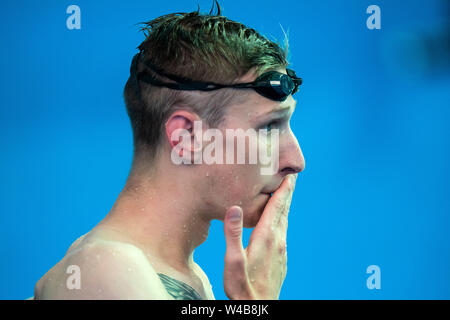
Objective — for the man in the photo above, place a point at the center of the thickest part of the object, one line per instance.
(193, 69)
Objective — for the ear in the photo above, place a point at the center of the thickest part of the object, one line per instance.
(184, 132)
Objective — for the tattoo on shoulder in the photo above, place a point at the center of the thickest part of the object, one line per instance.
(179, 290)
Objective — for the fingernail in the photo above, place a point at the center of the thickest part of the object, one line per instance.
(235, 215)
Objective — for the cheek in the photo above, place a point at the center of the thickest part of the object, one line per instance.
(238, 181)
(238, 184)
(234, 184)
(245, 192)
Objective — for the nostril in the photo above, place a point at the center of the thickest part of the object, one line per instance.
(290, 170)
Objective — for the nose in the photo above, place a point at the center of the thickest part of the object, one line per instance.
(291, 156)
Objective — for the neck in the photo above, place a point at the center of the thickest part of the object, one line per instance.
(161, 216)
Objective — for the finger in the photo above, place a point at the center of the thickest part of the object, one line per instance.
(277, 207)
(233, 231)
(234, 269)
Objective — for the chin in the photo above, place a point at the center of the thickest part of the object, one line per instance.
(252, 219)
(252, 215)
(251, 223)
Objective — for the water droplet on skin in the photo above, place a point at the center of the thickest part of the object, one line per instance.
(207, 174)
(98, 257)
(129, 269)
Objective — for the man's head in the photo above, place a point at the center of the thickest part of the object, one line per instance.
(209, 48)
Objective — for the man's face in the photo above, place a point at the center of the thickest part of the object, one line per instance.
(244, 184)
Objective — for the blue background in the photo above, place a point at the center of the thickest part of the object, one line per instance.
(372, 120)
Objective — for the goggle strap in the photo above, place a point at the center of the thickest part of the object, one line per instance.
(188, 84)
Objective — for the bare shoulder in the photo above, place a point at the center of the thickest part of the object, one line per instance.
(206, 284)
(102, 269)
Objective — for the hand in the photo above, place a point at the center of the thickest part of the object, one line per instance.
(258, 272)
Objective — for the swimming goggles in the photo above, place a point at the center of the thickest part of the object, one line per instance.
(273, 85)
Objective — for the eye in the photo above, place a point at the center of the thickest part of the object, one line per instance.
(270, 125)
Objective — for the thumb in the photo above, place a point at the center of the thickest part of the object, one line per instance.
(233, 230)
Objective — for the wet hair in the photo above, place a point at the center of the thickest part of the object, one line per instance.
(202, 47)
